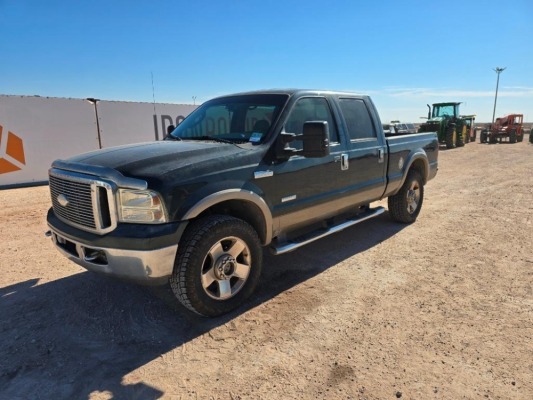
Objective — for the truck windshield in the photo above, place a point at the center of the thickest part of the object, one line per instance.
(444, 110)
(235, 119)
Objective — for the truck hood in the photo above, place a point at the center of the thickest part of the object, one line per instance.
(155, 159)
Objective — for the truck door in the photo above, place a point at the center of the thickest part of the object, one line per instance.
(366, 150)
(301, 189)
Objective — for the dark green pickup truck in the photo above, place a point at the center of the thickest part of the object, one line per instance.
(276, 169)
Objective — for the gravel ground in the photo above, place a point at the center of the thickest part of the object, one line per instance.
(441, 309)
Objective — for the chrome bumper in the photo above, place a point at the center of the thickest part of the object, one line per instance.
(151, 267)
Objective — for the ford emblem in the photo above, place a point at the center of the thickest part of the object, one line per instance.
(63, 200)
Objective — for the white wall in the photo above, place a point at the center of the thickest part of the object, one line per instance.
(123, 123)
(49, 128)
(43, 129)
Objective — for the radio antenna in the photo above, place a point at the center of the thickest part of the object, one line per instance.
(155, 112)
(153, 90)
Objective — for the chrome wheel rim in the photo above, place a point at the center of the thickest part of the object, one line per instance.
(226, 268)
(413, 197)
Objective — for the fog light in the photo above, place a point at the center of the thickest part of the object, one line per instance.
(95, 256)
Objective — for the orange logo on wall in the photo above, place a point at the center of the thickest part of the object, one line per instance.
(14, 152)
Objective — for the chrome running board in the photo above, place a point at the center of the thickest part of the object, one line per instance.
(286, 247)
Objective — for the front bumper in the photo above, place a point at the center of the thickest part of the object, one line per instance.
(143, 254)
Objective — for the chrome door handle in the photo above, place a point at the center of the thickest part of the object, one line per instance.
(381, 154)
(344, 162)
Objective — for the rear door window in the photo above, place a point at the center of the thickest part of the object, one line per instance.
(357, 118)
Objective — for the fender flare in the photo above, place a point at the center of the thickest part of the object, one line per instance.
(418, 154)
(234, 194)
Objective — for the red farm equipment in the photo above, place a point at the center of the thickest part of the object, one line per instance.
(508, 127)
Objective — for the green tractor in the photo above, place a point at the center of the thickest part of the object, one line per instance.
(470, 131)
(445, 120)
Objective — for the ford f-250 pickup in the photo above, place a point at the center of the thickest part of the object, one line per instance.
(276, 169)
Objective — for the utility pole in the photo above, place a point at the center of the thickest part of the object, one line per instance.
(498, 70)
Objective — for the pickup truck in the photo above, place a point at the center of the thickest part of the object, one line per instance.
(273, 169)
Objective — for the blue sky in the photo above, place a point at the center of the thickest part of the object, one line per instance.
(405, 54)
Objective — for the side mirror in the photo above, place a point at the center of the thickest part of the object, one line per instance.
(315, 140)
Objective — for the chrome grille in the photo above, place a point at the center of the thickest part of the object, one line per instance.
(80, 206)
(83, 201)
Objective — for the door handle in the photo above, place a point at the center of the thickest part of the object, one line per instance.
(381, 154)
(344, 162)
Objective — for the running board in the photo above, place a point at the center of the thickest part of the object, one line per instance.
(299, 242)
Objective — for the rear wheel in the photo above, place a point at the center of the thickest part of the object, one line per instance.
(405, 205)
(459, 142)
(450, 131)
(217, 266)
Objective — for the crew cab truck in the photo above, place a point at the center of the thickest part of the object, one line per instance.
(272, 169)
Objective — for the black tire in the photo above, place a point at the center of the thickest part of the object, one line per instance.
(483, 137)
(206, 277)
(531, 137)
(459, 142)
(405, 205)
(520, 138)
(449, 137)
(512, 136)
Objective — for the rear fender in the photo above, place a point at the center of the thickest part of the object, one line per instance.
(416, 160)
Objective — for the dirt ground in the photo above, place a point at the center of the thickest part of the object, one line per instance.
(441, 309)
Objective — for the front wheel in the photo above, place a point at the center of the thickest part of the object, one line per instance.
(405, 205)
(512, 136)
(217, 266)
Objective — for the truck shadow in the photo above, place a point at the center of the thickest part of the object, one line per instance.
(83, 334)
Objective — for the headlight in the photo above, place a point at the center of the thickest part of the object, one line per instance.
(140, 206)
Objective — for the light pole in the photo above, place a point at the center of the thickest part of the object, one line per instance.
(498, 70)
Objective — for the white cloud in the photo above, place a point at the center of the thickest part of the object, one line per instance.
(455, 93)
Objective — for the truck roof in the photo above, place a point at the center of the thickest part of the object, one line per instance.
(292, 92)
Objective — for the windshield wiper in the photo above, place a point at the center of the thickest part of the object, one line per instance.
(213, 138)
(171, 137)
